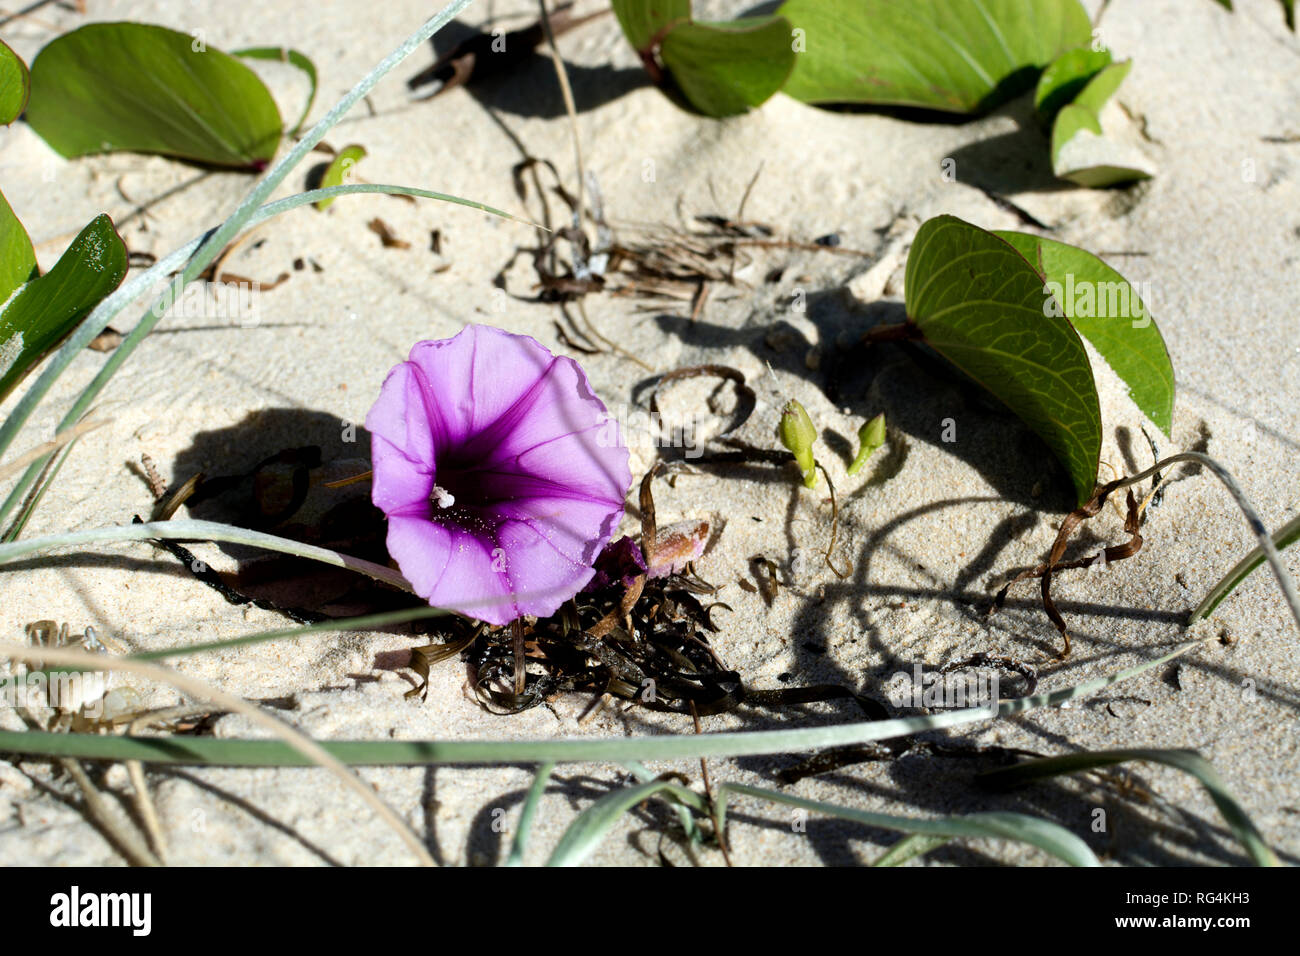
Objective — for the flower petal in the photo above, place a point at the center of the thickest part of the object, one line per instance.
(452, 569)
(478, 375)
(542, 576)
(398, 485)
(576, 529)
(574, 464)
(402, 416)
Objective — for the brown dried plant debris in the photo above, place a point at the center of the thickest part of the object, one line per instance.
(1053, 565)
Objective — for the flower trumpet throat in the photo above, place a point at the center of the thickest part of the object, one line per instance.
(797, 433)
(493, 465)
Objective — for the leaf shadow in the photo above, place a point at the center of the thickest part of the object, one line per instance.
(924, 398)
(528, 88)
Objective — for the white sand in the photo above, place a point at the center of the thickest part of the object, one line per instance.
(929, 545)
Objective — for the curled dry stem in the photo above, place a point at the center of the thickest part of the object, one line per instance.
(835, 527)
(1132, 522)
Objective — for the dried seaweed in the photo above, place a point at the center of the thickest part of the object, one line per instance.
(841, 757)
(646, 642)
(426, 656)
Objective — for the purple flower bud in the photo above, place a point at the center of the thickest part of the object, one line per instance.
(621, 561)
(494, 464)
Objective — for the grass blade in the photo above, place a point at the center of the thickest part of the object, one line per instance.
(1049, 837)
(535, 792)
(213, 243)
(910, 847)
(104, 313)
(586, 832)
(290, 737)
(272, 753)
(1283, 537)
(189, 530)
(1188, 761)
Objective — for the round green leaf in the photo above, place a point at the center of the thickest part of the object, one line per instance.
(17, 258)
(643, 21)
(981, 305)
(147, 89)
(1065, 78)
(959, 57)
(1070, 121)
(15, 83)
(1103, 86)
(48, 308)
(295, 58)
(728, 68)
(1080, 153)
(1109, 312)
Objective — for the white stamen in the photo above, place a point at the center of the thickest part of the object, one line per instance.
(444, 497)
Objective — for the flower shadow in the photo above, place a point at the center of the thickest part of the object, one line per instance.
(271, 471)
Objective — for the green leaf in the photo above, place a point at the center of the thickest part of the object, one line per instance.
(1108, 311)
(1188, 761)
(721, 68)
(870, 437)
(1103, 85)
(15, 84)
(643, 21)
(17, 258)
(147, 89)
(1080, 153)
(49, 307)
(1070, 121)
(958, 57)
(1065, 78)
(981, 305)
(339, 166)
(729, 68)
(280, 54)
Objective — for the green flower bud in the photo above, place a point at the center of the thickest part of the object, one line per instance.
(871, 436)
(798, 433)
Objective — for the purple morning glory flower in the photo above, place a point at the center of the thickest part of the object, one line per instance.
(501, 474)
